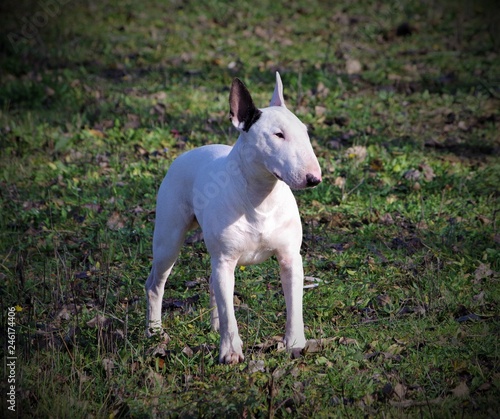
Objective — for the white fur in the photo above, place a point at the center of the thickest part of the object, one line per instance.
(246, 213)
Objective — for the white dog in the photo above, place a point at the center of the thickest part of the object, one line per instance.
(241, 198)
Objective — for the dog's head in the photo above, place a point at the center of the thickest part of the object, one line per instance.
(276, 138)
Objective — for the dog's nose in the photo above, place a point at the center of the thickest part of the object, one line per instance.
(312, 180)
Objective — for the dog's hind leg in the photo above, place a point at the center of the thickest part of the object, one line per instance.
(172, 224)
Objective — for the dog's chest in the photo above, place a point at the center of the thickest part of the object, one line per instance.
(248, 228)
(259, 239)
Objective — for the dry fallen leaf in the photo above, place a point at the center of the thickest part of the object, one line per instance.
(462, 390)
(98, 320)
(321, 90)
(383, 299)
(314, 282)
(427, 171)
(484, 387)
(377, 165)
(484, 220)
(400, 390)
(320, 110)
(317, 345)
(108, 365)
(95, 133)
(63, 314)
(348, 341)
(154, 379)
(312, 346)
(256, 366)
(412, 403)
(195, 282)
(187, 351)
(279, 372)
(386, 219)
(116, 221)
(482, 271)
(412, 174)
(133, 121)
(357, 152)
(353, 66)
(479, 297)
(275, 341)
(339, 182)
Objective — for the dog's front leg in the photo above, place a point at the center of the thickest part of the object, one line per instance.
(214, 313)
(222, 287)
(292, 281)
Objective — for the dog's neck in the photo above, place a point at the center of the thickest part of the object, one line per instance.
(254, 182)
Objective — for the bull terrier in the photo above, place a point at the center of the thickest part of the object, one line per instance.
(241, 198)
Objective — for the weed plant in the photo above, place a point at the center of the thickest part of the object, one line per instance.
(401, 240)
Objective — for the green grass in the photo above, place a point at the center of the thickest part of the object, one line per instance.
(98, 101)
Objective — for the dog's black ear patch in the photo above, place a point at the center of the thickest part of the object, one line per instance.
(243, 112)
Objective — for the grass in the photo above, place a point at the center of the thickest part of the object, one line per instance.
(98, 98)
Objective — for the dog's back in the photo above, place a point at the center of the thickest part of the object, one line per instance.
(177, 187)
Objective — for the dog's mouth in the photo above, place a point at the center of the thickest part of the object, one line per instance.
(278, 176)
(291, 185)
(310, 181)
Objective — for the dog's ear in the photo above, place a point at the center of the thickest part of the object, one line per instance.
(243, 112)
(277, 99)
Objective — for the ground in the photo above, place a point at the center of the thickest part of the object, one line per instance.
(401, 241)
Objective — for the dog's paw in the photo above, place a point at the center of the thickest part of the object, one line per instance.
(296, 353)
(232, 358)
(158, 333)
(295, 345)
(231, 352)
(214, 322)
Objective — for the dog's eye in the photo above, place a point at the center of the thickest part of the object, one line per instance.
(280, 135)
